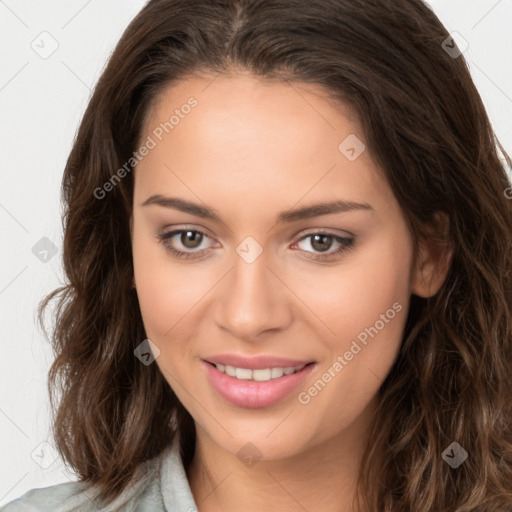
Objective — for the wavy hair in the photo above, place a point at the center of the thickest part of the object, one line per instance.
(426, 127)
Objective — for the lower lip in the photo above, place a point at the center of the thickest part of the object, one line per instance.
(251, 393)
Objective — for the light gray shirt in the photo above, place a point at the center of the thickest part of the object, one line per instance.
(158, 485)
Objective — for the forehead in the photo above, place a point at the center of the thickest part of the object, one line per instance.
(288, 108)
(273, 142)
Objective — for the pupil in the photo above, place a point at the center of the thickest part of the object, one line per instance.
(322, 246)
(187, 235)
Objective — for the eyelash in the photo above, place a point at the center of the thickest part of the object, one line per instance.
(346, 244)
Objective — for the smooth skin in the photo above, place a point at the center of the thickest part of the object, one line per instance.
(250, 150)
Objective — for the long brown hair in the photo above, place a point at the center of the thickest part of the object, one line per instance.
(426, 127)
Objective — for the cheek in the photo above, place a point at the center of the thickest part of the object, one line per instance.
(353, 296)
(165, 293)
(366, 306)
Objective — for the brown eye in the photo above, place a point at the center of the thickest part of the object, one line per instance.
(321, 242)
(183, 243)
(191, 239)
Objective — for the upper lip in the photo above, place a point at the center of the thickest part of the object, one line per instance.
(255, 363)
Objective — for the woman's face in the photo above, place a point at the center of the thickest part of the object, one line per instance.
(237, 169)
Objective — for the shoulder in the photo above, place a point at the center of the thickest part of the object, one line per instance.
(159, 485)
(44, 498)
(142, 494)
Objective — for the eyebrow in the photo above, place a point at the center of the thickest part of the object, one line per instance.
(305, 212)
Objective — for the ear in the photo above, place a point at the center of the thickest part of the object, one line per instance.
(433, 259)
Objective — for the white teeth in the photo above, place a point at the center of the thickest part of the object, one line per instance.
(277, 372)
(261, 375)
(243, 373)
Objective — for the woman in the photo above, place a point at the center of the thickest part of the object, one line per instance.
(288, 244)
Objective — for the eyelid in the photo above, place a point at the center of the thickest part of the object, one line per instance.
(186, 227)
(327, 231)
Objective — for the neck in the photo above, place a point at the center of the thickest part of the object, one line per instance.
(322, 478)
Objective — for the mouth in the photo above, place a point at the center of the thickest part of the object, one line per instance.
(260, 374)
(256, 387)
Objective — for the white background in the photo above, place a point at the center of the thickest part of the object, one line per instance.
(42, 101)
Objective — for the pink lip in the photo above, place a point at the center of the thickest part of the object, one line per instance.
(255, 394)
(254, 363)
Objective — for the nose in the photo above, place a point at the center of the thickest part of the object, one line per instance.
(253, 300)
